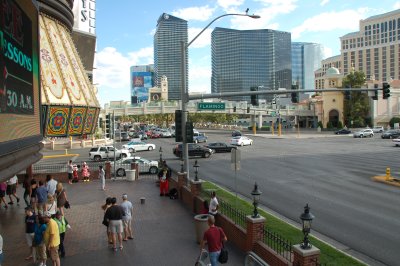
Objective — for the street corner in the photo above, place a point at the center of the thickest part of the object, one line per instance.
(387, 180)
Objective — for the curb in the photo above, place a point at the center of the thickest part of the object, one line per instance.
(60, 155)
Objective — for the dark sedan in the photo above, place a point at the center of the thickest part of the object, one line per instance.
(391, 134)
(343, 131)
(220, 147)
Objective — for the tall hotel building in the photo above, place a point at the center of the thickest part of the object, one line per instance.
(306, 58)
(246, 58)
(170, 32)
(375, 49)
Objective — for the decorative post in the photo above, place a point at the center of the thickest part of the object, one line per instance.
(255, 222)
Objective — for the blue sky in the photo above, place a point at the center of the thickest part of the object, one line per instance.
(125, 30)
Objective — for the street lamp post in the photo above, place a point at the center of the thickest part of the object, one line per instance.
(196, 170)
(184, 91)
(256, 198)
(306, 219)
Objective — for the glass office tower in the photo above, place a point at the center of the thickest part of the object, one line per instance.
(170, 32)
(249, 58)
(306, 58)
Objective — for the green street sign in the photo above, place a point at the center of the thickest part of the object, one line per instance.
(211, 106)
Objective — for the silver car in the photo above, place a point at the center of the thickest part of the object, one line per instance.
(145, 165)
(363, 133)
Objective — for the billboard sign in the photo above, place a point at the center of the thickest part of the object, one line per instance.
(141, 82)
(19, 79)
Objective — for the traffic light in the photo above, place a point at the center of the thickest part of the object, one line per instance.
(386, 90)
(108, 125)
(234, 109)
(347, 94)
(254, 98)
(189, 132)
(248, 109)
(178, 125)
(375, 97)
(295, 95)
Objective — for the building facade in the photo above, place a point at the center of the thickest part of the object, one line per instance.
(170, 33)
(331, 62)
(306, 58)
(249, 58)
(375, 48)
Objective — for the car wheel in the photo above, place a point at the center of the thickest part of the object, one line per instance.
(153, 170)
(207, 155)
(131, 150)
(150, 148)
(97, 158)
(123, 155)
(121, 172)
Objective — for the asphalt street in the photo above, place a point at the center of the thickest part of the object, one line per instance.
(333, 175)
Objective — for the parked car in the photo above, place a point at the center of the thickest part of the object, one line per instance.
(145, 165)
(343, 131)
(165, 133)
(236, 133)
(199, 137)
(107, 152)
(396, 141)
(134, 146)
(377, 129)
(241, 141)
(194, 150)
(391, 134)
(220, 147)
(363, 133)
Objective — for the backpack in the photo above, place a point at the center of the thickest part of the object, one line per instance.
(173, 193)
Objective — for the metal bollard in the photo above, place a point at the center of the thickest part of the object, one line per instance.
(66, 151)
(387, 173)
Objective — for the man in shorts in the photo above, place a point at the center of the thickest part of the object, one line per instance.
(52, 238)
(114, 216)
(12, 184)
(127, 208)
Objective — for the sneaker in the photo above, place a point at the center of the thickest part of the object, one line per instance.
(11, 203)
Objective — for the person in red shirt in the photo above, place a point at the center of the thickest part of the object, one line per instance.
(213, 237)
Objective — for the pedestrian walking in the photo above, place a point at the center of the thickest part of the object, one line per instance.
(102, 177)
(52, 238)
(39, 244)
(85, 172)
(61, 197)
(1, 250)
(41, 195)
(70, 171)
(105, 221)
(62, 228)
(27, 187)
(32, 195)
(51, 185)
(30, 223)
(127, 209)
(51, 205)
(3, 188)
(213, 238)
(114, 217)
(213, 207)
(11, 190)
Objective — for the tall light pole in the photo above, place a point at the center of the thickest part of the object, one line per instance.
(184, 91)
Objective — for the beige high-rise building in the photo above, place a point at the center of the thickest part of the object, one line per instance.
(375, 49)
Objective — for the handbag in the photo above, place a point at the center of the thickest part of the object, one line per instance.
(223, 256)
(67, 205)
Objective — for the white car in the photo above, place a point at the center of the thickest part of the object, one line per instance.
(241, 141)
(145, 165)
(134, 146)
(396, 142)
(363, 133)
(165, 133)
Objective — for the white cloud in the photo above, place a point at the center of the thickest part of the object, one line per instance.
(396, 5)
(226, 4)
(344, 20)
(324, 2)
(202, 13)
(112, 71)
(271, 9)
(203, 40)
(327, 52)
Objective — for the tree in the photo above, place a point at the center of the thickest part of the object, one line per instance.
(357, 108)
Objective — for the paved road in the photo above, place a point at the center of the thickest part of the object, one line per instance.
(333, 175)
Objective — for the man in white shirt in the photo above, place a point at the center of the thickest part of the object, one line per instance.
(51, 185)
(12, 184)
(213, 207)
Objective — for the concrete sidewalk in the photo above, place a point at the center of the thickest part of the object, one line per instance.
(164, 231)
